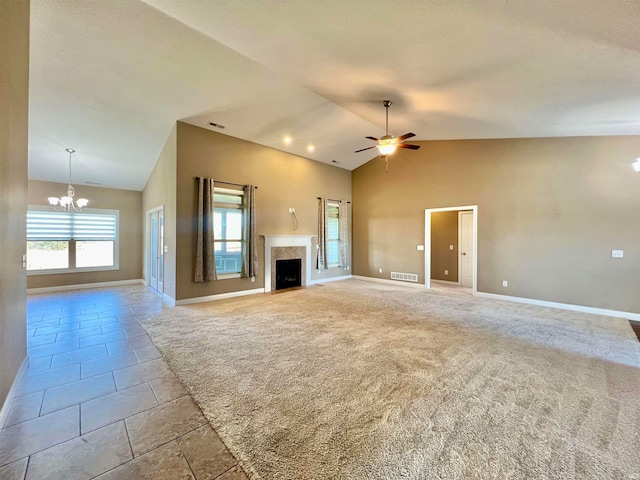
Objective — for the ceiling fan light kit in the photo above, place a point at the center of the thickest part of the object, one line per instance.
(388, 143)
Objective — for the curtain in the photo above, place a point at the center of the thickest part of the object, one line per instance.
(205, 270)
(343, 212)
(249, 249)
(322, 234)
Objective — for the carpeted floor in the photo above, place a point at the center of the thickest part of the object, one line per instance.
(360, 380)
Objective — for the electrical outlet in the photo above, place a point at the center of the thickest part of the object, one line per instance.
(446, 272)
(380, 270)
(450, 247)
(292, 210)
(617, 253)
(505, 283)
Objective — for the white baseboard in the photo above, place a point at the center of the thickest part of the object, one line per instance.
(220, 296)
(330, 279)
(4, 411)
(82, 286)
(389, 281)
(563, 306)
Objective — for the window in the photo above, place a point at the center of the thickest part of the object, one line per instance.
(333, 234)
(61, 242)
(227, 230)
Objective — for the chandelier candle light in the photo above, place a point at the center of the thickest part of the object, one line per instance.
(67, 203)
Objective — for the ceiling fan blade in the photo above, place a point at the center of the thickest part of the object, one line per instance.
(410, 147)
(405, 136)
(363, 149)
(372, 138)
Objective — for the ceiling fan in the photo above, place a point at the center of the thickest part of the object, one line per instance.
(388, 144)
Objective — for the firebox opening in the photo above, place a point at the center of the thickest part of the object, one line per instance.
(288, 273)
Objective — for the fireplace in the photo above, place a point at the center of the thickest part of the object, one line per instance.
(286, 247)
(288, 273)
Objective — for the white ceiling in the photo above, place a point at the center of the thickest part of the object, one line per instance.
(110, 77)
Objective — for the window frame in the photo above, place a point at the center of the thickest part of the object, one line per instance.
(218, 206)
(72, 244)
(337, 240)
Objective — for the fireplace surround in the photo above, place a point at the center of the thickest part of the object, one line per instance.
(286, 247)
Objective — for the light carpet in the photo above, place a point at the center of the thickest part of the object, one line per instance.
(360, 380)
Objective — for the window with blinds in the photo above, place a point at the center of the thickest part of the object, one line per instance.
(227, 230)
(333, 235)
(68, 241)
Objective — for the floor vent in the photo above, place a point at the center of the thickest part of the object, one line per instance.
(407, 277)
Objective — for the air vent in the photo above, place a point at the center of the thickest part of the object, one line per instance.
(405, 277)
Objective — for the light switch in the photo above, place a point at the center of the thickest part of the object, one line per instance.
(617, 253)
(166, 249)
(420, 247)
(450, 247)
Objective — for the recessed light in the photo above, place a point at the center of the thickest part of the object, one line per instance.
(311, 148)
(335, 161)
(287, 140)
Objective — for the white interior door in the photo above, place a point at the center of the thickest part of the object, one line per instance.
(465, 248)
(155, 247)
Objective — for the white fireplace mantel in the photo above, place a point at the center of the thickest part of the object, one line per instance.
(271, 241)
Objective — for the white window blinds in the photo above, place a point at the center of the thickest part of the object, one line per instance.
(51, 225)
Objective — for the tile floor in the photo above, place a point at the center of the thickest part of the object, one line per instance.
(98, 401)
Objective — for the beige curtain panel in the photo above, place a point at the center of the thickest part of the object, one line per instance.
(249, 249)
(205, 270)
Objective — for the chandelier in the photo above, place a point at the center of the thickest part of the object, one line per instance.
(67, 203)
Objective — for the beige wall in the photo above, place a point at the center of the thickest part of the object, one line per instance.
(444, 232)
(160, 190)
(283, 181)
(550, 210)
(128, 202)
(14, 122)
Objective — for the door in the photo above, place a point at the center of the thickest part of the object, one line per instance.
(465, 248)
(155, 256)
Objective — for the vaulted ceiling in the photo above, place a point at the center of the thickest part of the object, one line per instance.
(111, 77)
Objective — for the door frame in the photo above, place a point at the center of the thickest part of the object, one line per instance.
(147, 247)
(460, 212)
(427, 242)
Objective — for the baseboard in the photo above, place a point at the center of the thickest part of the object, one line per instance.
(563, 306)
(82, 286)
(168, 300)
(446, 282)
(220, 296)
(389, 281)
(4, 411)
(330, 279)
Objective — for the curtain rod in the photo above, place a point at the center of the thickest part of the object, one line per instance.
(227, 183)
(320, 198)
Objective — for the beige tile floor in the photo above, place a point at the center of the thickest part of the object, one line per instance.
(98, 401)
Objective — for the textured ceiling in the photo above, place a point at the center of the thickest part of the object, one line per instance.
(110, 77)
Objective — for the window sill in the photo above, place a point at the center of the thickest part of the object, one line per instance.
(63, 271)
(227, 276)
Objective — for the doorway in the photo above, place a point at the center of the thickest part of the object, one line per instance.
(467, 245)
(155, 249)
